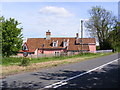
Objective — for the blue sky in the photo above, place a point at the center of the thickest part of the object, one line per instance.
(61, 18)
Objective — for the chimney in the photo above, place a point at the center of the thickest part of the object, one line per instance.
(77, 35)
(48, 34)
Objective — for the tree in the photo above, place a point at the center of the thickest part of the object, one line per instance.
(1, 37)
(101, 22)
(114, 37)
(11, 37)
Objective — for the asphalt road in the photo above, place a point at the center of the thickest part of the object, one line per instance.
(106, 77)
(49, 76)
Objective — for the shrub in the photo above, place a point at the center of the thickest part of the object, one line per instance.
(25, 61)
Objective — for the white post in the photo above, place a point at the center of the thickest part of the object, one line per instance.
(119, 11)
(81, 35)
(82, 25)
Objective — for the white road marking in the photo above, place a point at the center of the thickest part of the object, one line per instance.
(60, 85)
(63, 82)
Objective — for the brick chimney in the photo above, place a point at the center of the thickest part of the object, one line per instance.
(48, 34)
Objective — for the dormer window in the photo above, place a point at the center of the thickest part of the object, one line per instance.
(55, 44)
(65, 44)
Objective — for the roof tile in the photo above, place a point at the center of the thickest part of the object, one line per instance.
(34, 43)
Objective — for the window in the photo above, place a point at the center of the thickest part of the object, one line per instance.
(65, 44)
(43, 45)
(54, 44)
(57, 53)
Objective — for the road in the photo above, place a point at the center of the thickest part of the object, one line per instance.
(106, 77)
(75, 74)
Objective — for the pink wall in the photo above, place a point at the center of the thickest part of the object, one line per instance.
(45, 52)
(20, 54)
(51, 51)
(92, 48)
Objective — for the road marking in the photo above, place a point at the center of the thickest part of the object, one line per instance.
(63, 82)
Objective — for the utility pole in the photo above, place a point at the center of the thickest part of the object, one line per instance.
(37, 46)
(81, 41)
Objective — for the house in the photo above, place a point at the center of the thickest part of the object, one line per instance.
(58, 45)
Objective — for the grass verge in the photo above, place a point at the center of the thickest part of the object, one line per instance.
(12, 65)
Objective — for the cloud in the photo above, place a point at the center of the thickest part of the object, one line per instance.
(65, 27)
(56, 11)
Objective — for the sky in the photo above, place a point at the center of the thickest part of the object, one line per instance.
(61, 18)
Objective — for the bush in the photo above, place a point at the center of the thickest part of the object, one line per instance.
(97, 47)
(25, 61)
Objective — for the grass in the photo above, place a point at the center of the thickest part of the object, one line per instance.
(12, 65)
(7, 61)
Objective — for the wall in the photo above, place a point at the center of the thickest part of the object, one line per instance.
(20, 54)
(92, 48)
(49, 53)
(38, 53)
(52, 51)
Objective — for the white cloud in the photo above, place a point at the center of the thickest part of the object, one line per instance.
(56, 11)
(65, 27)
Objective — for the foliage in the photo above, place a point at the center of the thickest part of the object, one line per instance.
(100, 24)
(11, 37)
(0, 40)
(97, 47)
(114, 37)
(10, 60)
(1, 36)
(25, 61)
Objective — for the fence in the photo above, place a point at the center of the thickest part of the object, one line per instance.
(47, 55)
(64, 54)
(104, 51)
(51, 55)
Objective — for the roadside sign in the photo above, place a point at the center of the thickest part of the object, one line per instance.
(25, 54)
(25, 47)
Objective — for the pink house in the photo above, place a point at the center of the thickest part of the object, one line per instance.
(59, 45)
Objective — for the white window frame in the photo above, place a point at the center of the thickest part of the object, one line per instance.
(54, 44)
(65, 44)
(57, 53)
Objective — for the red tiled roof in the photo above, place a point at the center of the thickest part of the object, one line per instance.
(34, 43)
(86, 40)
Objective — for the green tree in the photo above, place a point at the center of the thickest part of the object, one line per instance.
(1, 37)
(114, 37)
(11, 37)
(101, 22)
